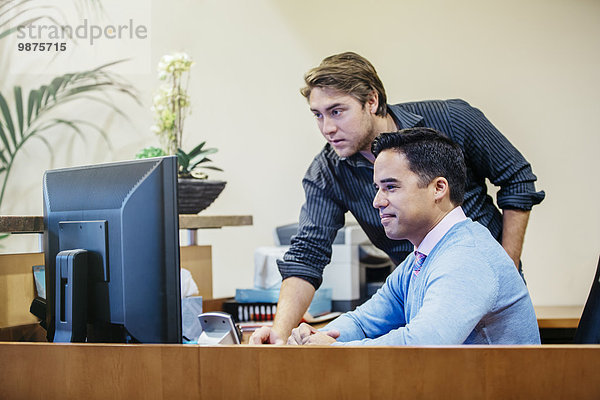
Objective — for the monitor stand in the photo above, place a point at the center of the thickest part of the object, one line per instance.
(71, 296)
(80, 264)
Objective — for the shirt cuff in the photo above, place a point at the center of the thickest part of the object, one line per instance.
(520, 201)
(289, 269)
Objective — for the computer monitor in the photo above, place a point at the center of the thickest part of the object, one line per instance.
(111, 240)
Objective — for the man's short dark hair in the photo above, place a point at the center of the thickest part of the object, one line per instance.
(348, 73)
(430, 154)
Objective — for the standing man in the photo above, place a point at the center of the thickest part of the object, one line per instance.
(350, 106)
(459, 286)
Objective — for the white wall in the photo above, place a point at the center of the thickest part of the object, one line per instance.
(532, 67)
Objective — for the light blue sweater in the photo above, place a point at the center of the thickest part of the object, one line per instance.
(468, 292)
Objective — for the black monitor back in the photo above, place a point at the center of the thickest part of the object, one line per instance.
(134, 277)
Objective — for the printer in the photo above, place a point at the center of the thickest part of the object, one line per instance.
(357, 268)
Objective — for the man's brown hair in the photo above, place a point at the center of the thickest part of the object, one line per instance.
(350, 74)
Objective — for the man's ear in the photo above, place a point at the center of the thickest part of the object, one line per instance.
(441, 188)
(372, 102)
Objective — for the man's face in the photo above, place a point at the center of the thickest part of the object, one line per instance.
(406, 210)
(346, 124)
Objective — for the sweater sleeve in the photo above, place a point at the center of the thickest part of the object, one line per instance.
(383, 312)
(454, 301)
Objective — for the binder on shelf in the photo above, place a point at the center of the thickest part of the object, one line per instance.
(250, 312)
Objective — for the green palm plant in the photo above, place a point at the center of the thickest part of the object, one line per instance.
(35, 116)
(32, 119)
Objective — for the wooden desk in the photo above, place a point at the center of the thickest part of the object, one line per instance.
(30, 370)
(558, 316)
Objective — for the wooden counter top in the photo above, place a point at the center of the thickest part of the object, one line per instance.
(35, 224)
(90, 371)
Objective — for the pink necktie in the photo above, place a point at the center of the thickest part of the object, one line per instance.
(419, 259)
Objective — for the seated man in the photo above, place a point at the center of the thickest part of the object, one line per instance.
(459, 286)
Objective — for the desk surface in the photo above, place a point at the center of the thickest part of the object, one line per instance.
(558, 316)
(35, 224)
(31, 370)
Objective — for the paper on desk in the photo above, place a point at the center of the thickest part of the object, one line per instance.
(39, 276)
(309, 319)
(191, 307)
(188, 285)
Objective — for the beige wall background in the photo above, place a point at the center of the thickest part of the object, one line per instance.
(531, 67)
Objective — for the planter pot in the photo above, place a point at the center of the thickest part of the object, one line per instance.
(197, 194)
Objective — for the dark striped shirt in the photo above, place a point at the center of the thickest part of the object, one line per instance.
(334, 186)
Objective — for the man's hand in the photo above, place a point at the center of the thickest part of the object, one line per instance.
(307, 335)
(266, 335)
(294, 297)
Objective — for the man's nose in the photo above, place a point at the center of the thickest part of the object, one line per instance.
(329, 126)
(379, 201)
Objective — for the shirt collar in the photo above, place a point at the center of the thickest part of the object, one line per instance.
(437, 233)
(403, 118)
(357, 160)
